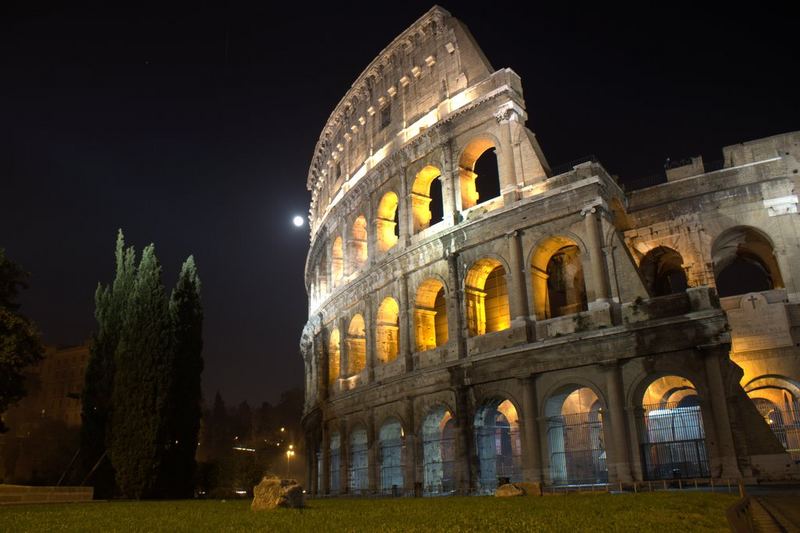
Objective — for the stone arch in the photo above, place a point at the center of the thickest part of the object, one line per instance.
(391, 455)
(337, 261)
(358, 465)
(486, 294)
(438, 450)
(358, 243)
(498, 444)
(744, 261)
(427, 186)
(387, 330)
(356, 345)
(662, 271)
(671, 428)
(386, 223)
(777, 399)
(334, 356)
(576, 434)
(473, 151)
(557, 277)
(430, 315)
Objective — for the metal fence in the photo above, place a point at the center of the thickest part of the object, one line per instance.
(672, 440)
(438, 466)
(391, 461)
(577, 454)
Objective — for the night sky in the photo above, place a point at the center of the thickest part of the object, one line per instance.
(193, 128)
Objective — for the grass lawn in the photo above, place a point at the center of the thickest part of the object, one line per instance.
(661, 512)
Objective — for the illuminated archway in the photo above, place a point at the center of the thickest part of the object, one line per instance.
(427, 186)
(391, 448)
(662, 270)
(333, 357)
(337, 261)
(335, 459)
(744, 261)
(487, 297)
(777, 399)
(438, 452)
(386, 223)
(575, 437)
(430, 315)
(358, 472)
(671, 430)
(356, 346)
(478, 163)
(557, 279)
(358, 243)
(388, 327)
(498, 445)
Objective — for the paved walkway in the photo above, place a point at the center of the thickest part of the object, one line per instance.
(777, 507)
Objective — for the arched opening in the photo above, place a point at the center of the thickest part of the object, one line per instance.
(426, 198)
(438, 452)
(671, 431)
(333, 357)
(334, 452)
(388, 327)
(356, 346)
(662, 270)
(391, 457)
(744, 261)
(575, 437)
(487, 297)
(557, 279)
(320, 465)
(358, 475)
(430, 315)
(498, 446)
(386, 223)
(478, 173)
(777, 400)
(358, 243)
(337, 262)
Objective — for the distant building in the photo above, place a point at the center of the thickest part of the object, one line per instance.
(477, 317)
(46, 422)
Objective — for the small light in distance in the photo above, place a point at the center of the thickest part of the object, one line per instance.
(298, 221)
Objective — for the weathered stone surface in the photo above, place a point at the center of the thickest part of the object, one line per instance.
(508, 490)
(275, 492)
(530, 489)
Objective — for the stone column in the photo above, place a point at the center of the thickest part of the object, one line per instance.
(370, 332)
(325, 451)
(465, 459)
(410, 469)
(532, 453)
(508, 180)
(344, 458)
(373, 470)
(517, 294)
(719, 406)
(455, 311)
(618, 461)
(451, 193)
(343, 348)
(406, 324)
(594, 240)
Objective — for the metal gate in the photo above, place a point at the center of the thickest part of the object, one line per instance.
(391, 461)
(784, 422)
(577, 454)
(673, 442)
(499, 455)
(438, 466)
(359, 462)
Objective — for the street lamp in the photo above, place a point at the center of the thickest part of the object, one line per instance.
(289, 455)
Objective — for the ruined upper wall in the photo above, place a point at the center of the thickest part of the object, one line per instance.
(435, 59)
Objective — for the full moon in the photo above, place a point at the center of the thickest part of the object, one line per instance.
(297, 221)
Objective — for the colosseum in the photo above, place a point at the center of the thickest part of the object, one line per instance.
(476, 318)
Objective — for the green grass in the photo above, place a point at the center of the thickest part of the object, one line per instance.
(659, 512)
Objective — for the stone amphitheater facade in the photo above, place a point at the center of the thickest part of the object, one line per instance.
(564, 331)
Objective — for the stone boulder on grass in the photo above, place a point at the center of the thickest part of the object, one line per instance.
(274, 492)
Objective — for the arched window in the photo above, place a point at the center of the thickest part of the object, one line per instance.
(391, 457)
(575, 437)
(333, 356)
(438, 452)
(557, 278)
(487, 297)
(478, 173)
(498, 445)
(426, 198)
(358, 243)
(386, 223)
(356, 346)
(662, 270)
(672, 434)
(777, 399)
(359, 461)
(744, 261)
(337, 261)
(430, 315)
(387, 330)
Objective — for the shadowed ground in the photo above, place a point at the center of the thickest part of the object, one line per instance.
(666, 511)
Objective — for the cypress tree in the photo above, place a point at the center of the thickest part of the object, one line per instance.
(185, 394)
(142, 378)
(110, 304)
